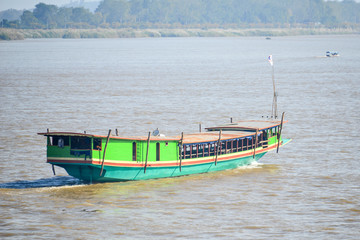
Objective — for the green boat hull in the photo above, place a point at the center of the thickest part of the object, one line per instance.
(91, 172)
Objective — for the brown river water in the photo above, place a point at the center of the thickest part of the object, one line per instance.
(310, 190)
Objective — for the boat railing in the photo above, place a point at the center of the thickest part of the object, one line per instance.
(226, 146)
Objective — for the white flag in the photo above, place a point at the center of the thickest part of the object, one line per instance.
(270, 60)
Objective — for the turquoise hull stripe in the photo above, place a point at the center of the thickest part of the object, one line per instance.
(285, 141)
(91, 173)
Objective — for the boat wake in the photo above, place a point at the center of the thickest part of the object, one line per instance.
(251, 166)
(58, 181)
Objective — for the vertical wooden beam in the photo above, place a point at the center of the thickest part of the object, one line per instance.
(147, 152)
(279, 133)
(107, 141)
(181, 146)
(217, 147)
(256, 140)
(53, 169)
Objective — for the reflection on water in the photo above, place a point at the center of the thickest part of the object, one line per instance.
(42, 183)
(309, 190)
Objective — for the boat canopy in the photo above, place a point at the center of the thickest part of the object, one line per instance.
(241, 129)
(212, 136)
(250, 125)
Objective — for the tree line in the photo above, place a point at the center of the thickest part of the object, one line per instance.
(191, 13)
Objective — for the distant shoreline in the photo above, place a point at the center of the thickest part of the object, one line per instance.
(21, 34)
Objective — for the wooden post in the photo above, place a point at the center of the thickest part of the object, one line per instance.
(147, 152)
(181, 147)
(256, 140)
(53, 169)
(107, 141)
(217, 147)
(279, 133)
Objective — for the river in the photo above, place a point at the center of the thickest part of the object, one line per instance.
(309, 190)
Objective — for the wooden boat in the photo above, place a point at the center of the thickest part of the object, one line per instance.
(101, 158)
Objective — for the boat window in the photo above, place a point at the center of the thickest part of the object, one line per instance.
(212, 149)
(60, 141)
(236, 145)
(222, 147)
(134, 151)
(259, 140)
(157, 151)
(265, 139)
(239, 147)
(229, 146)
(274, 131)
(97, 144)
(181, 150)
(194, 151)
(201, 150)
(206, 150)
(80, 143)
(187, 151)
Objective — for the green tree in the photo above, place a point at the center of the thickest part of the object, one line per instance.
(114, 10)
(81, 14)
(63, 17)
(46, 14)
(28, 20)
(11, 14)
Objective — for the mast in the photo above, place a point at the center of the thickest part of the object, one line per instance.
(274, 112)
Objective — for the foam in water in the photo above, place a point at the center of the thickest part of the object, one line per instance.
(252, 166)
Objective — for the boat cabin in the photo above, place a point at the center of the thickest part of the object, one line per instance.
(230, 138)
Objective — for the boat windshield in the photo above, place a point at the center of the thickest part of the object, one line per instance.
(80, 143)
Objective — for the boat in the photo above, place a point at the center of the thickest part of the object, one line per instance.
(111, 158)
(332, 54)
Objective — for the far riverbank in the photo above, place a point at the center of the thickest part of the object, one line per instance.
(20, 34)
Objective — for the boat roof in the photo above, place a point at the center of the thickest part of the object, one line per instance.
(248, 125)
(240, 129)
(212, 136)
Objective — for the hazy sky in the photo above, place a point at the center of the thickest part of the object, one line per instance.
(30, 4)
